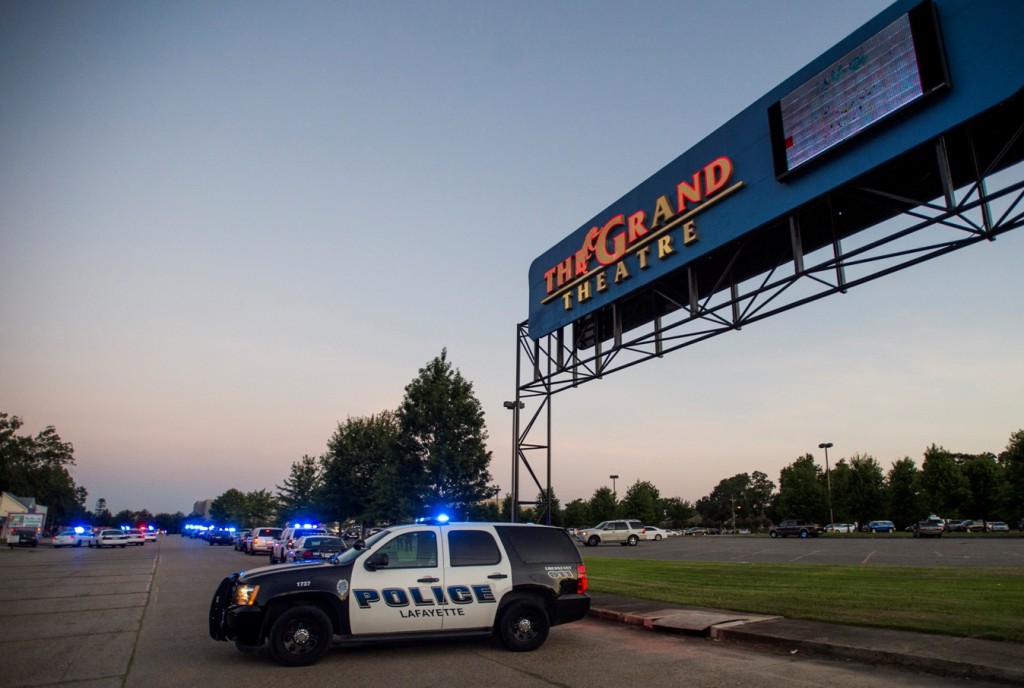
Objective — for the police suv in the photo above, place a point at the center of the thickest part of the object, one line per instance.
(407, 582)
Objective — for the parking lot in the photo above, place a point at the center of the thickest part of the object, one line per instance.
(881, 549)
(137, 617)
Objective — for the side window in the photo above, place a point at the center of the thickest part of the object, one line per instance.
(472, 548)
(618, 525)
(412, 550)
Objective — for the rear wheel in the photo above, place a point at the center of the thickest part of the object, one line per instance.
(633, 541)
(523, 627)
(773, 534)
(803, 533)
(300, 636)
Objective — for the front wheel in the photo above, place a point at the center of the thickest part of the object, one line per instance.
(523, 627)
(803, 533)
(300, 636)
(772, 534)
(594, 541)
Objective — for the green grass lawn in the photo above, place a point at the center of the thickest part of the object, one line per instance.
(968, 602)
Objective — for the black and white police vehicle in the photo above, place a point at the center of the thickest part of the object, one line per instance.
(408, 582)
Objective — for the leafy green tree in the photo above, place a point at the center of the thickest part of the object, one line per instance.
(984, 477)
(729, 494)
(642, 501)
(298, 496)
(442, 426)
(363, 475)
(37, 466)
(231, 507)
(577, 514)
(124, 517)
(677, 511)
(603, 505)
(802, 491)
(759, 496)
(261, 508)
(101, 514)
(905, 502)
(1012, 490)
(946, 489)
(866, 490)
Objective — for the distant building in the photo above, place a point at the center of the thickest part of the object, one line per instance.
(20, 512)
(202, 508)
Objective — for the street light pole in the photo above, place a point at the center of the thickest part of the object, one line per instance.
(828, 480)
(614, 492)
(514, 407)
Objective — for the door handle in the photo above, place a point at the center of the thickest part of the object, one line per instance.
(428, 580)
(497, 576)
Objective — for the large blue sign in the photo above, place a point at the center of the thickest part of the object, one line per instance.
(915, 71)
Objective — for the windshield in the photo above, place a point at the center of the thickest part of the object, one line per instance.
(351, 554)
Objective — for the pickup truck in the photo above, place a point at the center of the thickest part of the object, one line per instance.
(796, 527)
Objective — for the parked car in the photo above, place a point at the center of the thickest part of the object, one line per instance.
(655, 533)
(67, 538)
(929, 527)
(286, 540)
(879, 527)
(696, 530)
(974, 526)
(23, 537)
(108, 537)
(240, 540)
(135, 537)
(262, 540)
(797, 527)
(623, 531)
(956, 525)
(149, 534)
(841, 528)
(221, 536)
(998, 527)
(314, 547)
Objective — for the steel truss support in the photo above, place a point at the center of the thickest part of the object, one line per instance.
(910, 230)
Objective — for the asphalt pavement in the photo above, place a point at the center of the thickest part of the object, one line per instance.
(967, 658)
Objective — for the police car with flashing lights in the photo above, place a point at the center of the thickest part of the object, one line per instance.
(409, 582)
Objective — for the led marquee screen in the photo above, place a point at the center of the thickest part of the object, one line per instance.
(897, 66)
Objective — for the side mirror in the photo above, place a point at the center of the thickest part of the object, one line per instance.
(377, 560)
(359, 544)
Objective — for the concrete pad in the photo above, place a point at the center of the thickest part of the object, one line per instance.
(64, 623)
(700, 622)
(75, 658)
(70, 604)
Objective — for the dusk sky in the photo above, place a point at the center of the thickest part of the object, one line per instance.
(226, 227)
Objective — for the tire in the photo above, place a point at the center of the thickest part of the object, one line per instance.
(633, 541)
(803, 534)
(523, 626)
(593, 541)
(657, 538)
(300, 636)
(772, 534)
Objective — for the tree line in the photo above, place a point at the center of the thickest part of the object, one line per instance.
(430, 455)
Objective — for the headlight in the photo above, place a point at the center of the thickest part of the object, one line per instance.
(245, 595)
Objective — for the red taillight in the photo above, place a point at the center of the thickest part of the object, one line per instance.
(307, 554)
(581, 578)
